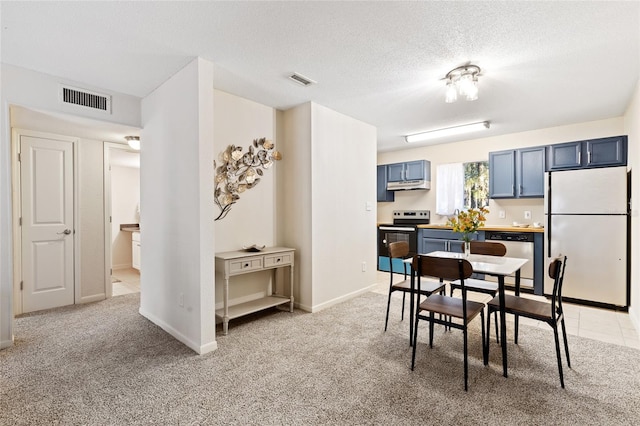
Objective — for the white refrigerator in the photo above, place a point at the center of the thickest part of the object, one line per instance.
(586, 219)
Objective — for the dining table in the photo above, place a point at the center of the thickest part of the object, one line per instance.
(497, 266)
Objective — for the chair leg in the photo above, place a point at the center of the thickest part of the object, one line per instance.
(431, 329)
(415, 343)
(515, 339)
(484, 349)
(495, 318)
(566, 345)
(466, 364)
(555, 334)
(404, 296)
(488, 342)
(386, 320)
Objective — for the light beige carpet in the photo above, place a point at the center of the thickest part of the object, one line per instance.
(104, 364)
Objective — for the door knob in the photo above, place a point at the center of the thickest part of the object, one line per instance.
(65, 232)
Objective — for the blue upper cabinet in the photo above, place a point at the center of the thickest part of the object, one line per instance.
(502, 174)
(383, 194)
(530, 166)
(415, 170)
(604, 152)
(410, 170)
(395, 172)
(517, 173)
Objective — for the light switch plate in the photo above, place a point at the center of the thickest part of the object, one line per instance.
(527, 214)
(502, 214)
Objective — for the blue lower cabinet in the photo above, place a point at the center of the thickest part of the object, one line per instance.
(398, 264)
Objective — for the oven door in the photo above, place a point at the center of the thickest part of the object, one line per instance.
(391, 233)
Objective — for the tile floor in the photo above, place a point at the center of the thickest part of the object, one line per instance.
(584, 321)
(128, 281)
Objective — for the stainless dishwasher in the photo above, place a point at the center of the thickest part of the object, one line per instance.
(518, 244)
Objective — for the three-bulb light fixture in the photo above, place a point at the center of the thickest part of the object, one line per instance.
(463, 81)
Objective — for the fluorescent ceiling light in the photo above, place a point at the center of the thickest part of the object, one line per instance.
(449, 131)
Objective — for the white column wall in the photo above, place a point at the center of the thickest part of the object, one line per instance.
(343, 181)
(325, 185)
(294, 198)
(176, 186)
(632, 129)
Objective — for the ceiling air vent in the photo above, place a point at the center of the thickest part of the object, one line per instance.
(300, 79)
(85, 98)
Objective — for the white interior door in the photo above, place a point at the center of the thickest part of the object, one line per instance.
(46, 176)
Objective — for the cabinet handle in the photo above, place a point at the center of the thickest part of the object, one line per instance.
(520, 189)
(579, 157)
(278, 259)
(588, 157)
(246, 265)
(513, 190)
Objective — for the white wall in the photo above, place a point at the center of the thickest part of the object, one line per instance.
(91, 221)
(125, 196)
(478, 150)
(238, 121)
(326, 182)
(632, 128)
(176, 188)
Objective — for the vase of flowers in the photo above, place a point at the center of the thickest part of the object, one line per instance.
(467, 223)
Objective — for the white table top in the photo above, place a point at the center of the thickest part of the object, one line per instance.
(483, 264)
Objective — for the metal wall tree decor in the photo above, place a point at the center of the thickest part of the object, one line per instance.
(240, 171)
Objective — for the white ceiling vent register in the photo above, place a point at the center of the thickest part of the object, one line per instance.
(85, 98)
(301, 79)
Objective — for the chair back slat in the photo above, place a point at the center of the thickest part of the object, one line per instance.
(398, 249)
(438, 267)
(487, 248)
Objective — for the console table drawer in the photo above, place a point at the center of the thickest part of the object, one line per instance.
(246, 264)
(278, 260)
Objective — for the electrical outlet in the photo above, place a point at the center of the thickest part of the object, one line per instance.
(502, 214)
(527, 214)
(364, 266)
(181, 300)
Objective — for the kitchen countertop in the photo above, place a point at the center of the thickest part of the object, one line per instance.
(505, 228)
(130, 227)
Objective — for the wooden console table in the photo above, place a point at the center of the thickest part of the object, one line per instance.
(240, 262)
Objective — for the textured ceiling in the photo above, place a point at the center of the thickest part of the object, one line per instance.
(544, 63)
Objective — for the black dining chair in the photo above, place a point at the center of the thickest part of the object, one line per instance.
(548, 312)
(447, 306)
(483, 286)
(400, 250)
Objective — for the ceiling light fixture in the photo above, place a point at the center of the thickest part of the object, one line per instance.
(464, 81)
(449, 131)
(133, 141)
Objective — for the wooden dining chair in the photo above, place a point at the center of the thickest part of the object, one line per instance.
(400, 250)
(447, 306)
(482, 286)
(548, 312)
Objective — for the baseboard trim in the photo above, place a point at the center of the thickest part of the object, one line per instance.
(344, 298)
(200, 350)
(121, 266)
(634, 315)
(94, 298)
